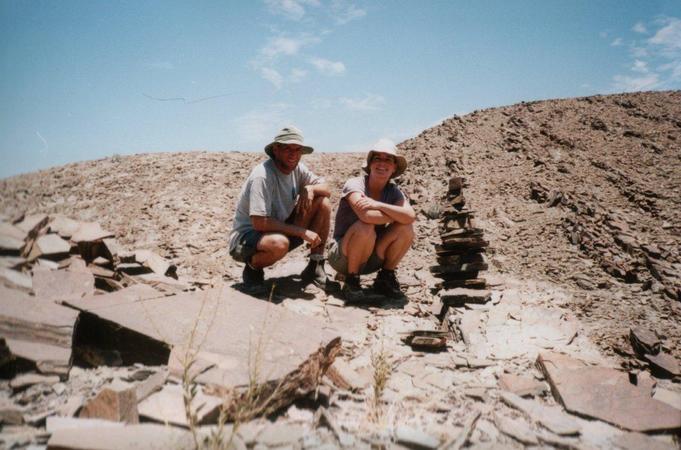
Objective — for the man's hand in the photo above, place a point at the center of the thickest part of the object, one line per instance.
(311, 238)
(366, 204)
(304, 200)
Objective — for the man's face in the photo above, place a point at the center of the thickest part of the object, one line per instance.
(287, 156)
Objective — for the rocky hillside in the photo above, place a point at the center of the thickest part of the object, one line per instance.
(585, 192)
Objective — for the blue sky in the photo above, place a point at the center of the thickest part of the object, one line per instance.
(83, 80)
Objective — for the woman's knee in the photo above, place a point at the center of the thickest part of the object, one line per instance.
(404, 231)
(365, 231)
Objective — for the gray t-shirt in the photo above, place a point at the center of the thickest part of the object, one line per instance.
(270, 193)
(345, 216)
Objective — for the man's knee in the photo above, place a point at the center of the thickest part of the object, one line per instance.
(322, 205)
(275, 244)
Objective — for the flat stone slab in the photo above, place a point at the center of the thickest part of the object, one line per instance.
(522, 386)
(414, 438)
(49, 245)
(15, 278)
(90, 232)
(32, 224)
(664, 363)
(141, 436)
(10, 244)
(54, 423)
(36, 330)
(461, 296)
(551, 417)
(167, 406)
(7, 229)
(29, 379)
(606, 394)
(64, 226)
(226, 322)
(516, 428)
(669, 397)
(50, 285)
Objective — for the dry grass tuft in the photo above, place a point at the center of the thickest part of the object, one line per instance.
(382, 367)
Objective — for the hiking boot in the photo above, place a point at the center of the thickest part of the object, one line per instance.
(352, 291)
(386, 284)
(253, 278)
(314, 273)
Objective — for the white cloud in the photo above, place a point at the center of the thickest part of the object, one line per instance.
(370, 102)
(655, 62)
(344, 11)
(258, 126)
(617, 42)
(639, 28)
(297, 75)
(640, 66)
(668, 36)
(291, 9)
(630, 84)
(288, 46)
(638, 52)
(328, 67)
(272, 76)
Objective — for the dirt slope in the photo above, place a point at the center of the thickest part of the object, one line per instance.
(582, 192)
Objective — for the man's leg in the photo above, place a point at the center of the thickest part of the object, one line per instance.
(270, 249)
(318, 219)
(391, 248)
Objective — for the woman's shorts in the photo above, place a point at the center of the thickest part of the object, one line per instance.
(339, 261)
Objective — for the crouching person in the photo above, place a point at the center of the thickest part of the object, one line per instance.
(281, 205)
(373, 227)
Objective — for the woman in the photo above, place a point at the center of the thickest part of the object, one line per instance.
(373, 228)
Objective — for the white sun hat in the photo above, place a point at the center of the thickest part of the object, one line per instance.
(288, 135)
(388, 147)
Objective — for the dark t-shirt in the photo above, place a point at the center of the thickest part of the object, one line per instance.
(345, 216)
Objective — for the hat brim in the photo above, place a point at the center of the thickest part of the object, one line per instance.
(400, 161)
(269, 147)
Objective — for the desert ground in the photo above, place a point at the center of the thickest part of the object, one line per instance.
(578, 199)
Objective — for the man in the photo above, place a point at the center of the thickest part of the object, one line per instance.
(281, 205)
(373, 228)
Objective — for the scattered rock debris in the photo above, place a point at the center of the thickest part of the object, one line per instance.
(575, 227)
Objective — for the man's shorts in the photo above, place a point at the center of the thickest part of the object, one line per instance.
(339, 261)
(247, 245)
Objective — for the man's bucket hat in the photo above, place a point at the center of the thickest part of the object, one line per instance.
(389, 148)
(288, 135)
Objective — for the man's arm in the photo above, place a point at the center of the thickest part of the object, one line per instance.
(308, 193)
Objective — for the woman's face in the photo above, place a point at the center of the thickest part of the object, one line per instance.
(382, 165)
